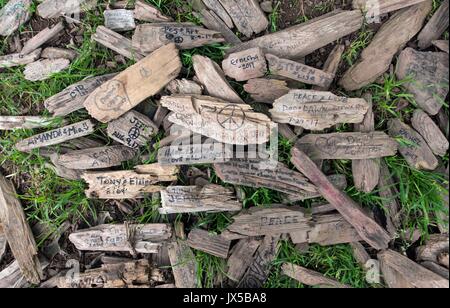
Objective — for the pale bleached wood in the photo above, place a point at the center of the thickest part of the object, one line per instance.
(184, 265)
(14, 14)
(41, 38)
(59, 53)
(442, 45)
(18, 233)
(119, 20)
(435, 27)
(25, 122)
(393, 35)
(184, 86)
(388, 193)
(11, 277)
(193, 199)
(213, 79)
(195, 154)
(332, 63)
(245, 65)
(117, 43)
(138, 82)
(55, 8)
(265, 90)
(381, 7)
(220, 11)
(146, 12)
(426, 127)
(401, 272)
(310, 277)
(17, 59)
(56, 136)
(145, 238)
(160, 115)
(157, 170)
(366, 227)
(241, 258)
(412, 146)
(72, 98)
(212, 244)
(44, 69)
(428, 77)
(96, 158)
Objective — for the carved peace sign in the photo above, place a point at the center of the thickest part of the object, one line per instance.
(231, 117)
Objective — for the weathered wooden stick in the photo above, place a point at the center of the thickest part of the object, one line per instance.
(360, 254)
(24, 122)
(119, 20)
(366, 227)
(44, 69)
(184, 265)
(59, 53)
(146, 12)
(332, 63)
(245, 65)
(310, 278)
(14, 14)
(388, 193)
(381, 7)
(210, 243)
(437, 269)
(184, 86)
(220, 11)
(41, 38)
(3, 242)
(442, 45)
(435, 26)
(265, 90)
(116, 42)
(241, 258)
(17, 59)
(426, 127)
(55, 8)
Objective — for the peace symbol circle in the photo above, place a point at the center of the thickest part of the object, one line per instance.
(231, 117)
(134, 133)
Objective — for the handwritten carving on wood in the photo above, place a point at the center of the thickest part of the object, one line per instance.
(138, 82)
(144, 238)
(193, 199)
(412, 146)
(317, 110)
(310, 277)
(212, 244)
(17, 59)
(245, 65)
(435, 27)
(44, 69)
(146, 12)
(119, 20)
(205, 153)
(266, 90)
(55, 8)
(26, 122)
(14, 14)
(117, 43)
(434, 137)
(242, 257)
(184, 265)
(428, 73)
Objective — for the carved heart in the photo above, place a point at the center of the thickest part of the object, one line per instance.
(327, 145)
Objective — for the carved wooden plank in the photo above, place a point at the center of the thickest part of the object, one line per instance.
(41, 38)
(220, 11)
(193, 199)
(310, 277)
(393, 35)
(332, 63)
(56, 136)
(366, 172)
(17, 59)
(184, 265)
(246, 15)
(388, 193)
(429, 72)
(149, 37)
(245, 65)
(116, 42)
(366, 227)
(210, 243)
(382, 7)
(184, 86)
(401, 272)
(133, 85)
(26, 122)
(257, 273)
(298, 71)
(218, 119)
(195, 154)
(146, 12)
(241, 258)
(59, 53)
(119, 20)
(56, 8)
(426, 127)
(412, 146)
(18, 233)
(442, 45)
(14, 14)
(348, 145)
(435, 27)
(44, 69)
(96, 158)
(72, 98)
(301, 40)
(133, 129)
(317, 110)
(145, 238)
(213, 79)
(265, 90)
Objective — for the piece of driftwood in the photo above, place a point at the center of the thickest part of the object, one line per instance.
(245, 65)
(18, 233)
(117, 43)
(428, 77)
(193, 199)
(146, 238)
(14, 14)
(146, 12)
(433, 249)
(393, 35)
(298, 71)
(3, 242)
(44, 69)
(212, 244)
(442, 45)
(59, 53)
(213, 79)
(56, 136)
(242, 257)
(145, 78)
(24, 122)
(72, 98)
(119, 20)
(338, 180)
(258, 271)
(64, 172)
(133, 129)
(301, 40)
(208, 153)
(55, 8)
(435, 27)
(310, 277)
(436, 268)
(41, 38)
(12, 278)
(381, 7)
(347, 145)
(360, 254)
(157, 170)
(219, 10)
(264, 90)
(388, 193)
(96, 158)
(149, 37)
(366, 172)
(317, 110)
(184, 265)
(184, 86)
(17, 59)
(366, 227)
(426, 127)
(332, 63)
(219, 119)
(412, 146)
(401, 272)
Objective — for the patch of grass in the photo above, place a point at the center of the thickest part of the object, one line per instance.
(215, 52)
(274, 17)
(364, 38)
(209, 269)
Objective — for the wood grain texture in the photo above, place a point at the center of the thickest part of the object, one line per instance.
(184, 86)
(14, 14)
(55, 8)
(195, 154)
(3, 242)
(242, 257)
(116, 42)
(44, 69)
(24, 122)
(310, 278)
(184, 265)
(17, 59)
(436, 268)
(119, 20)
(41, 38)
(426, 127)
(392, 36)
(220, 11)
(388, 192)
(435, 27)
(212, 244)
(442, 45)
(360, 254)
(59, 53)
(332, 63)
(138, 82)
(436, 246)
(146, 12)
(245, 65)
(382, 6)
(264, 90)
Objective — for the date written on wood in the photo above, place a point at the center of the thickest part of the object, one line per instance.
(207, 153)
(245, 65)
(348, 145)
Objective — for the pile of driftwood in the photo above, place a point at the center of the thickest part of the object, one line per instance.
(208, 106)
